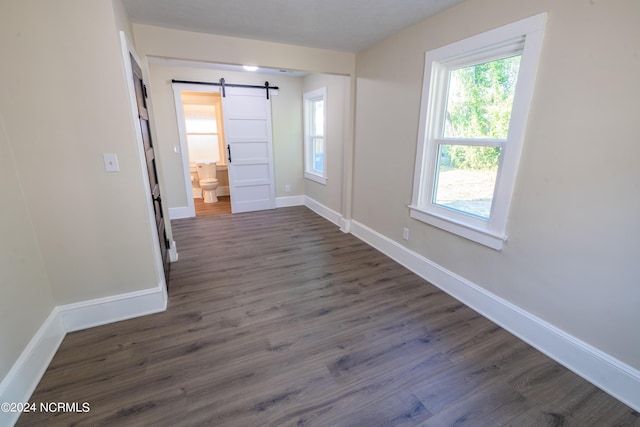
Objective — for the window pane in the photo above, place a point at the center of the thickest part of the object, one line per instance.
(318, 155)
(317, 117)
(479, 99)
(200, 118)
(466, 178)
(203, 148)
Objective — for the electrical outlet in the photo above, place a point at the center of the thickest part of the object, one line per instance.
(405, 233)
(287, 188)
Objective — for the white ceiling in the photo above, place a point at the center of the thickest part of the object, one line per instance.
(344, 25)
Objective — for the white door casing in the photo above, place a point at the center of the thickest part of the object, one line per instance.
(247, 124)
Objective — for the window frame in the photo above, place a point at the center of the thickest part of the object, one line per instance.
(212, 134)
(309, 172)
(523, 37)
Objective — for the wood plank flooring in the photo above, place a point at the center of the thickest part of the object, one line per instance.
(222, 207)
(277, 318)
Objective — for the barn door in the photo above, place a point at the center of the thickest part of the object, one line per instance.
(247, 127)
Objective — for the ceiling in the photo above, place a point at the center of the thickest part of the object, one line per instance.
(343, 25)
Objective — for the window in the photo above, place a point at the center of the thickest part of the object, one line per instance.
(202, 132)
(203, 126)
(475, 100)
(315, 161)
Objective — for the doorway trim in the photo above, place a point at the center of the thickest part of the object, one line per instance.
(127, 54)
(189, 211)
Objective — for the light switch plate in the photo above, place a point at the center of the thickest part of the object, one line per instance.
(111, 162)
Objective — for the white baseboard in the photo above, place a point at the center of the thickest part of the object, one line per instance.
(173, 252)
(323, 211)
(328, 214)
(26, 372)
(223, 191)
(180, 212)
(285, 202)
(606, 372)
(23, 377)
(87, 314)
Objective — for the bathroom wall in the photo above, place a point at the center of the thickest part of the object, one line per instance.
(286, 122)
(337, 110)
(571, 257)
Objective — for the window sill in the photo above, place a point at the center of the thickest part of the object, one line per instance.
(317, 178)
(484, 237)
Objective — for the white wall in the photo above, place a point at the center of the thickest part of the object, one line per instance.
(286, 121)
(338, 97)
(574, 234)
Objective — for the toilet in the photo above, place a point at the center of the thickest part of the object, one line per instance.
(208, 182)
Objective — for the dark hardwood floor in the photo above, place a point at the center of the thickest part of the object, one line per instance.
(277, 318)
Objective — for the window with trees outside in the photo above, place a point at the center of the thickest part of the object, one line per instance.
(315, 166)
(475, 100)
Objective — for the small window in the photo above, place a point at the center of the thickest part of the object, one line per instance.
(476, 95)
(315, 162)
(202, 112)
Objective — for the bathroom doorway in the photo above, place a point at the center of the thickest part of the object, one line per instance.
(246, 131)
(203, 130)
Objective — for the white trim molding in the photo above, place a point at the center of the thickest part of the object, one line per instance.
(345, 225)
(519, 39)
(285, 202)
(129, 57)
(310, 100)
(101, 311)
(323, 211)
(25, 374)
(328, 214)
(173, 252)
(181, 212)
(281, 202)
(604, 371)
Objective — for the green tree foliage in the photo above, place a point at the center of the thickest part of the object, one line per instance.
(479, 105)
(470, 157)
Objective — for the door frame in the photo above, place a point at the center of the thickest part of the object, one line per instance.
(127, 54)
(190, 210)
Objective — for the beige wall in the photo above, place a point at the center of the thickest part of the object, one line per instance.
(286, 122)
(574, 233)
(168, 43)
(25, 294)
(287, 107)
(65, 103)
(72, 232)
(122, 19)
(338, 96)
